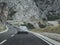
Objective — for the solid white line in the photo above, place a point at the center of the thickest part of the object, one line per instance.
(3, 42)
(46, 39)
(4, 30)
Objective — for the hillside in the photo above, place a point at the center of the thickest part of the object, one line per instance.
(36, 12)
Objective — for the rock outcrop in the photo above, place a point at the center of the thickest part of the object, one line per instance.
(3, 14)
(27, 11)
(50, 8)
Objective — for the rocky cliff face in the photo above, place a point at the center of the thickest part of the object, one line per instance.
(3, 15)
(27, 11)
(50, 8)
(34, 11)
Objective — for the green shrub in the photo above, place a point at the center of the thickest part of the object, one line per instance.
(28, 25)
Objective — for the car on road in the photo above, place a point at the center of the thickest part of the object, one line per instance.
(22, 29)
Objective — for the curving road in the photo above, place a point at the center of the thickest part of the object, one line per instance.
(12, 38)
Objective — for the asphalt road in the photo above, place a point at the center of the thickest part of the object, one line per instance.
(8, 34)
(20, 39)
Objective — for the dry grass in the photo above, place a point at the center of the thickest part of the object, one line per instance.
(2, 28)
(50, 29)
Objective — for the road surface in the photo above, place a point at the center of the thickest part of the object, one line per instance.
(19, 39)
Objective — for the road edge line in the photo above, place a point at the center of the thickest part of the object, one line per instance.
(46, 39)
(4, 30)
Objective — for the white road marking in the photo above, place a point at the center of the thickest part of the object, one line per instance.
(12, 35)
(46, 39)
(3, 42)
(6, 40)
